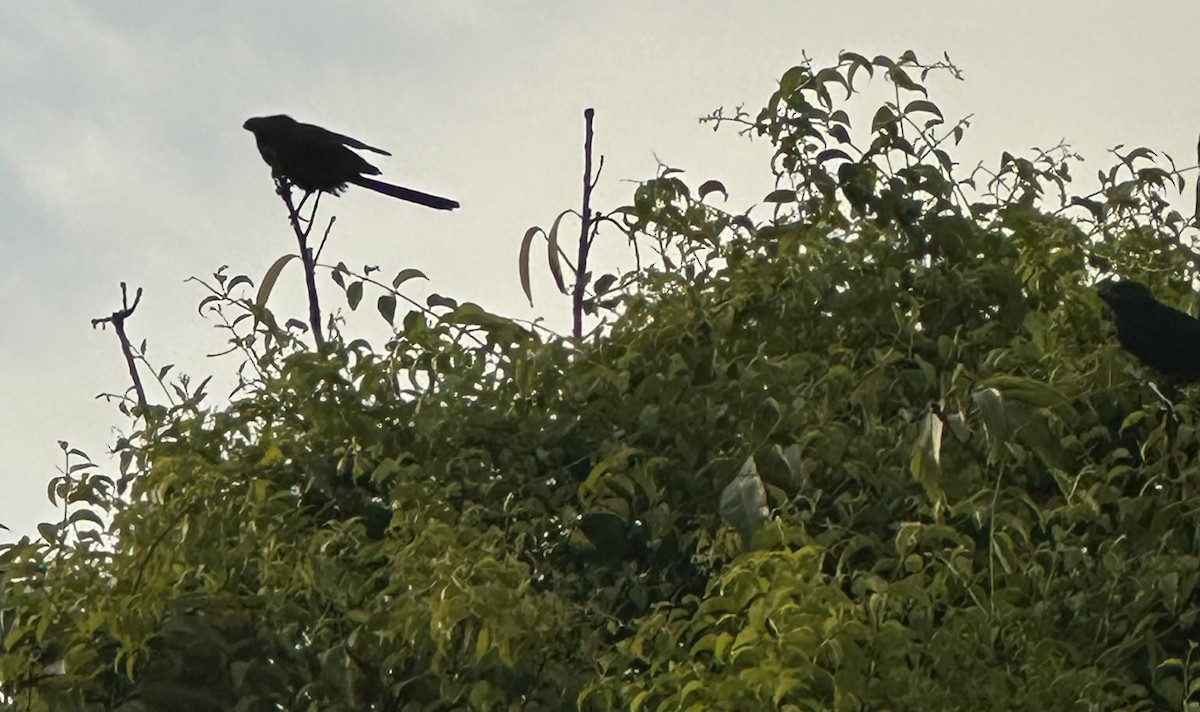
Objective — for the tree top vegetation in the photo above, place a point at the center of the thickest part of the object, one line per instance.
(875, 450)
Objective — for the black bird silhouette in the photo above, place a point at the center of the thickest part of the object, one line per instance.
(1165, 339)
(316, 159)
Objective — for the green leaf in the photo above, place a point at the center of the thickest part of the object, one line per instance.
(831, 153)
(523, 261)
(744, 502)
(49, 532)
(995, 419)
(711, 186)
(437, 300)
(604, 283)
(85, 515)
(553, 253)
(405, 275)
(884, 118)
(386, 304)
(270, 277)
(902, 80)
(923, 105)
(925, 463)
(1028, 390)
(354, 294)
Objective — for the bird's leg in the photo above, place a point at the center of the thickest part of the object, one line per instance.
(316, 204)
(303, 200)
(283, 187)
(282, 184)
(325, 237)
(312, 214)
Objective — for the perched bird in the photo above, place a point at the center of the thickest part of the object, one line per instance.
(1165, 339)
(315, 159)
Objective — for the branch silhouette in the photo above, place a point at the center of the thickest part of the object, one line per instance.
(117, 319)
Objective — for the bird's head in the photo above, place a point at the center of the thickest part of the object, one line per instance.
(268, 123)
(1125, 294)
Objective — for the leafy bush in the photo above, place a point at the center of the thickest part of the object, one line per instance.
(975, 499)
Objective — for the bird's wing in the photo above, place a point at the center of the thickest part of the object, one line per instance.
(355, 143)
(316, 135)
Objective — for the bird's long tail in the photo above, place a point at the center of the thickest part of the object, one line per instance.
(412, 196)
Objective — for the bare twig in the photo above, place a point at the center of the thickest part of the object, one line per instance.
(306, 257)
(117, 319)
(585, 228)
(325, 237)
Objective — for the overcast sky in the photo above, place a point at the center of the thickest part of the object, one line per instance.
(122, 155)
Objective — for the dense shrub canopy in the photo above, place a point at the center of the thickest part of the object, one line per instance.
(973, 498)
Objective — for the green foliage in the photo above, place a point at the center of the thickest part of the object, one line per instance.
(975, 502)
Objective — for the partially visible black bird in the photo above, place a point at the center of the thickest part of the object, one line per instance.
(1165, 339)
(315, 159)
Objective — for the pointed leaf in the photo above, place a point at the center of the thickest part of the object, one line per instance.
(604, 283)
(386, 305)
(902, 80)
(884, 116)
(712, 186)
(831, 153)
(553, 253)
(840, 133)
(833, 74)
(48, 531)
(406, 274)
(923, 105)
(354, 294)
(437, 300)
(240, 279)
(86, 515)
(523, 261)
(269, 278)
(744, 502)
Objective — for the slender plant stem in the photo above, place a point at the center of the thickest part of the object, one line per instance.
(310, 264)
(585, 228)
